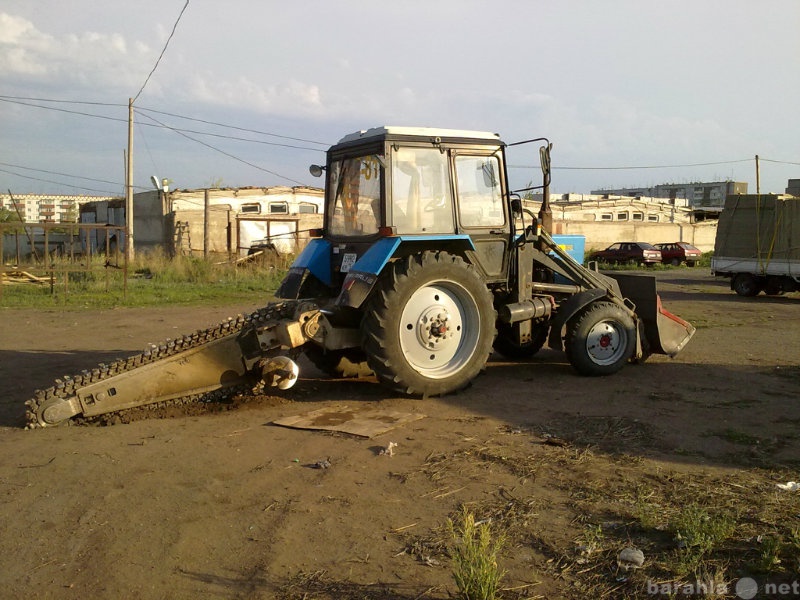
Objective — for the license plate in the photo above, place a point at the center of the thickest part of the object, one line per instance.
(348, 260)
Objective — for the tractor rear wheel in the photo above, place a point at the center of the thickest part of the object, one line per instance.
(429, 326)
(600, 339)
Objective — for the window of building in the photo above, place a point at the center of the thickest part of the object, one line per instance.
(622, 216)
(606, 217)
(279, 208)
(307, 208)
(637, 216)
(251, 208)
(652, 218)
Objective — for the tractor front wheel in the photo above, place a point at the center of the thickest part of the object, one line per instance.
(429, 326)
(600, 339)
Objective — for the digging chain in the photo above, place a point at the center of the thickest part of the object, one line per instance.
(66, 388)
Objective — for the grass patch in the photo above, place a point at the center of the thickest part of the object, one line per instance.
(698, 533)
(738, 437)
(153, 280)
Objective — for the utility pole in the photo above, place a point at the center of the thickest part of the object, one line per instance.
(129, 188)
(758, 177)
(206, 203)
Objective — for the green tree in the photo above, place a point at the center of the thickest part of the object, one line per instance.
(8, 216)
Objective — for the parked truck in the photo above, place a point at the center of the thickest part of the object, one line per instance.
(758, 244)
(426, 262)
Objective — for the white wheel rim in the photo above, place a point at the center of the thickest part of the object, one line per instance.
(606, 343)
(439, 329)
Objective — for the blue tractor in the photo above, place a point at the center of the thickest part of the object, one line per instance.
(427, 261)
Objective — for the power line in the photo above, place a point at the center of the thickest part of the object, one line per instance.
(174, 27)
(783, 162)
(120, 120)
(19, 99)
(705, 164)
(229, 137)
(285, 137)
(76, 187)
(5, 164)
(64, 110)
(228, 154)
(3, 96)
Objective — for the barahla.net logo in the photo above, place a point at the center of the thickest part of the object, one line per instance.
(675, 589)
(746, 588)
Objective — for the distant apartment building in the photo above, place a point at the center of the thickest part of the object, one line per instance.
(47, 208)
(698, 195)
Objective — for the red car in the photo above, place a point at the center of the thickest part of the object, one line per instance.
(629, 252)
(677, 252)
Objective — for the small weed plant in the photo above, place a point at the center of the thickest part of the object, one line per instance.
(699, 534)
(474, 554)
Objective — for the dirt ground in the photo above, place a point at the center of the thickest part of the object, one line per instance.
(222, 503)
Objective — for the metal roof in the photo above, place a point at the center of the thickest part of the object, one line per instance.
(389, 130)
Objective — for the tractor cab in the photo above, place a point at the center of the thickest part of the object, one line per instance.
(395, 191)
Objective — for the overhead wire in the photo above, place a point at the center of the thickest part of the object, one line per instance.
(704, 164)
(5, 164)
(223, 152)
(26, 101)
(228, 137)
(142, 111)
(160, 56)
(286, 137)
(195, 132)
(60, 183)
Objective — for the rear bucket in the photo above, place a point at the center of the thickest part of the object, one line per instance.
(665, 332)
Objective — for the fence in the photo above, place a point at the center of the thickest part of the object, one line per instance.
(46, 253)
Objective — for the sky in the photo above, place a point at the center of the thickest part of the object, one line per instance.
(251, 92)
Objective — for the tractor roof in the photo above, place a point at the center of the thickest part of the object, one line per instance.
(420, 132)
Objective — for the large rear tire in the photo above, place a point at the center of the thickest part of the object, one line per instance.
(600, 339)
(429, 326)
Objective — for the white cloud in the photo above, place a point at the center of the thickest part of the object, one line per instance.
(292, 98)
(90, 59)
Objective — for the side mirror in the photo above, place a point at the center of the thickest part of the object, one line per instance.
(316, 170)
(489, 178)
(516, 206)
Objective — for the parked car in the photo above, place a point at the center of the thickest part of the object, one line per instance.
(675, 253)
(629, 252)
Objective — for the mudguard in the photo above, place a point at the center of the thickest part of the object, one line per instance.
(365, 271)
(566, 311)
(315, 259)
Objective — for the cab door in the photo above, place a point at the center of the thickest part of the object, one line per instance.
(482, 213)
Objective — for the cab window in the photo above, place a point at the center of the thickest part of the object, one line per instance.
(355, 204)
(421, 199)
(479, 194)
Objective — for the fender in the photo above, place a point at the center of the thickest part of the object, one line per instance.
(567, 310)
(315, 259)
(365, 271)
